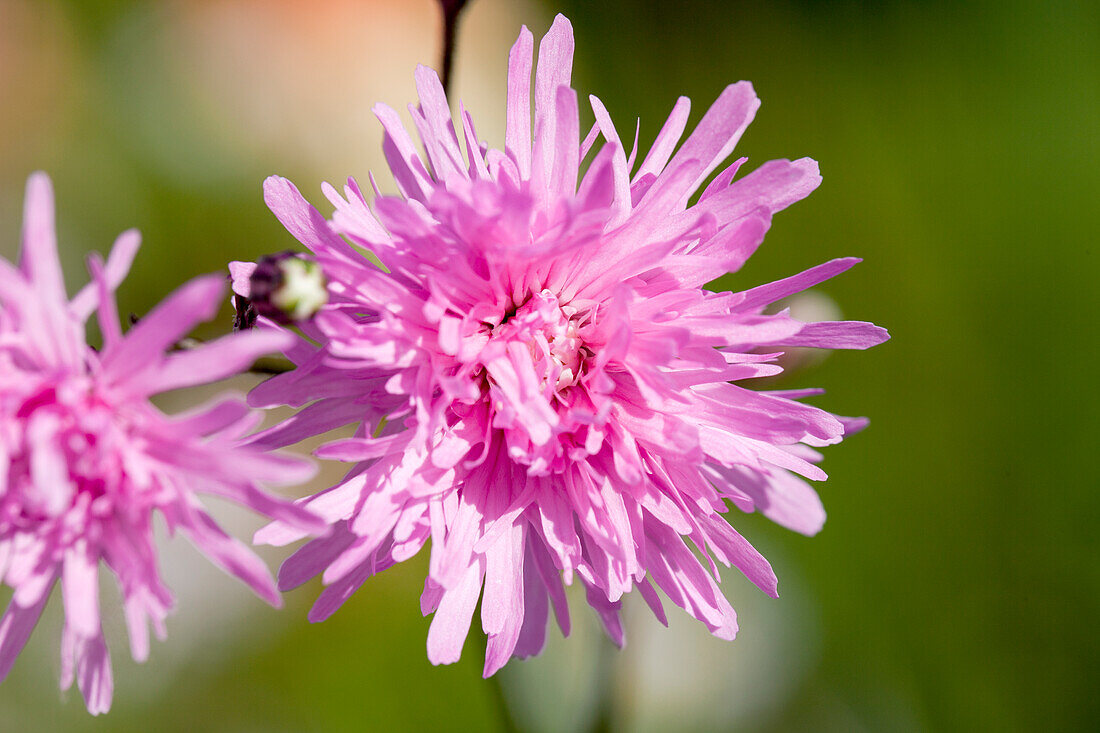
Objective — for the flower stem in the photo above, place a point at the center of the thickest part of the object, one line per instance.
(451, 10)
(271, 365)
(496, 687)
(507, 723)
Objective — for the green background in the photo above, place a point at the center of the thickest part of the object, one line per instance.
(956, 583)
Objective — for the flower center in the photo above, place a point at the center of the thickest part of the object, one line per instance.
(63, 457)
(534, 362)
(548, 333)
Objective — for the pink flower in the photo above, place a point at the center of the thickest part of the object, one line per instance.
(540, 383)
(85, 458)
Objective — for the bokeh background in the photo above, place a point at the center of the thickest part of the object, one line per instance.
(956, 583)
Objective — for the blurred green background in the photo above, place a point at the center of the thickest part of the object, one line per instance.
(956, 583)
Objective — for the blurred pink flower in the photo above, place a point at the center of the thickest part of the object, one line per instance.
(540, 382)
(85, 458)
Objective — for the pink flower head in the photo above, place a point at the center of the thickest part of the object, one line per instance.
(85, 458)
(541, 384)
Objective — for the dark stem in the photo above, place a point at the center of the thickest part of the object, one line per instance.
(263, 365)
(451, 10)
(271, 365)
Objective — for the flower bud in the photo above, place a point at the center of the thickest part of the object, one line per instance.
(287, 287)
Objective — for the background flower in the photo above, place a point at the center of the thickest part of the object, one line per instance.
(86, 459)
